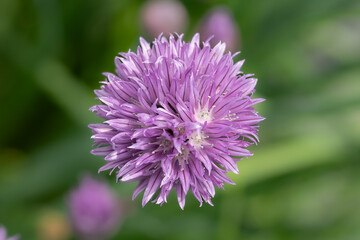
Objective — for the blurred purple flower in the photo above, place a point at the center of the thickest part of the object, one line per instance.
(220, 24)
(163, 16)
(94, 210)
(175, 113)
(3, 234)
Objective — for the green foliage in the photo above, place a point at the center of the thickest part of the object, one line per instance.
(302, 182)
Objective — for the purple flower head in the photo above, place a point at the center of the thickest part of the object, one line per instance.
(175, 113)
(163, 16)
(220, 24)
(94, 210)
(3, 234)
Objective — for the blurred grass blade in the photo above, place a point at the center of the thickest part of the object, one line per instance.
(286, 157)
(72, 96)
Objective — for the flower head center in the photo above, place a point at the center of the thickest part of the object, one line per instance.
(203, 116)
(197, 139)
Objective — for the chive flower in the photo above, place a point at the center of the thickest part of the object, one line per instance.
(177, 115)
(220, 24)
(163, 16)
(3, 234)
(94, 210)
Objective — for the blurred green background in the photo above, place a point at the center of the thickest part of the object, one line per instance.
(303, 181)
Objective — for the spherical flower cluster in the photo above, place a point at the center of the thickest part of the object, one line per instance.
(163, 16)
(94, 210)
(176, 113)
(220, 24)
(3, 234)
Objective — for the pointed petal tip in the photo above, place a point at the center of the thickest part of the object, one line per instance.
(134, 196)
(144, 202)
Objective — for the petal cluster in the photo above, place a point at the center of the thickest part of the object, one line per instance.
(176, 114)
